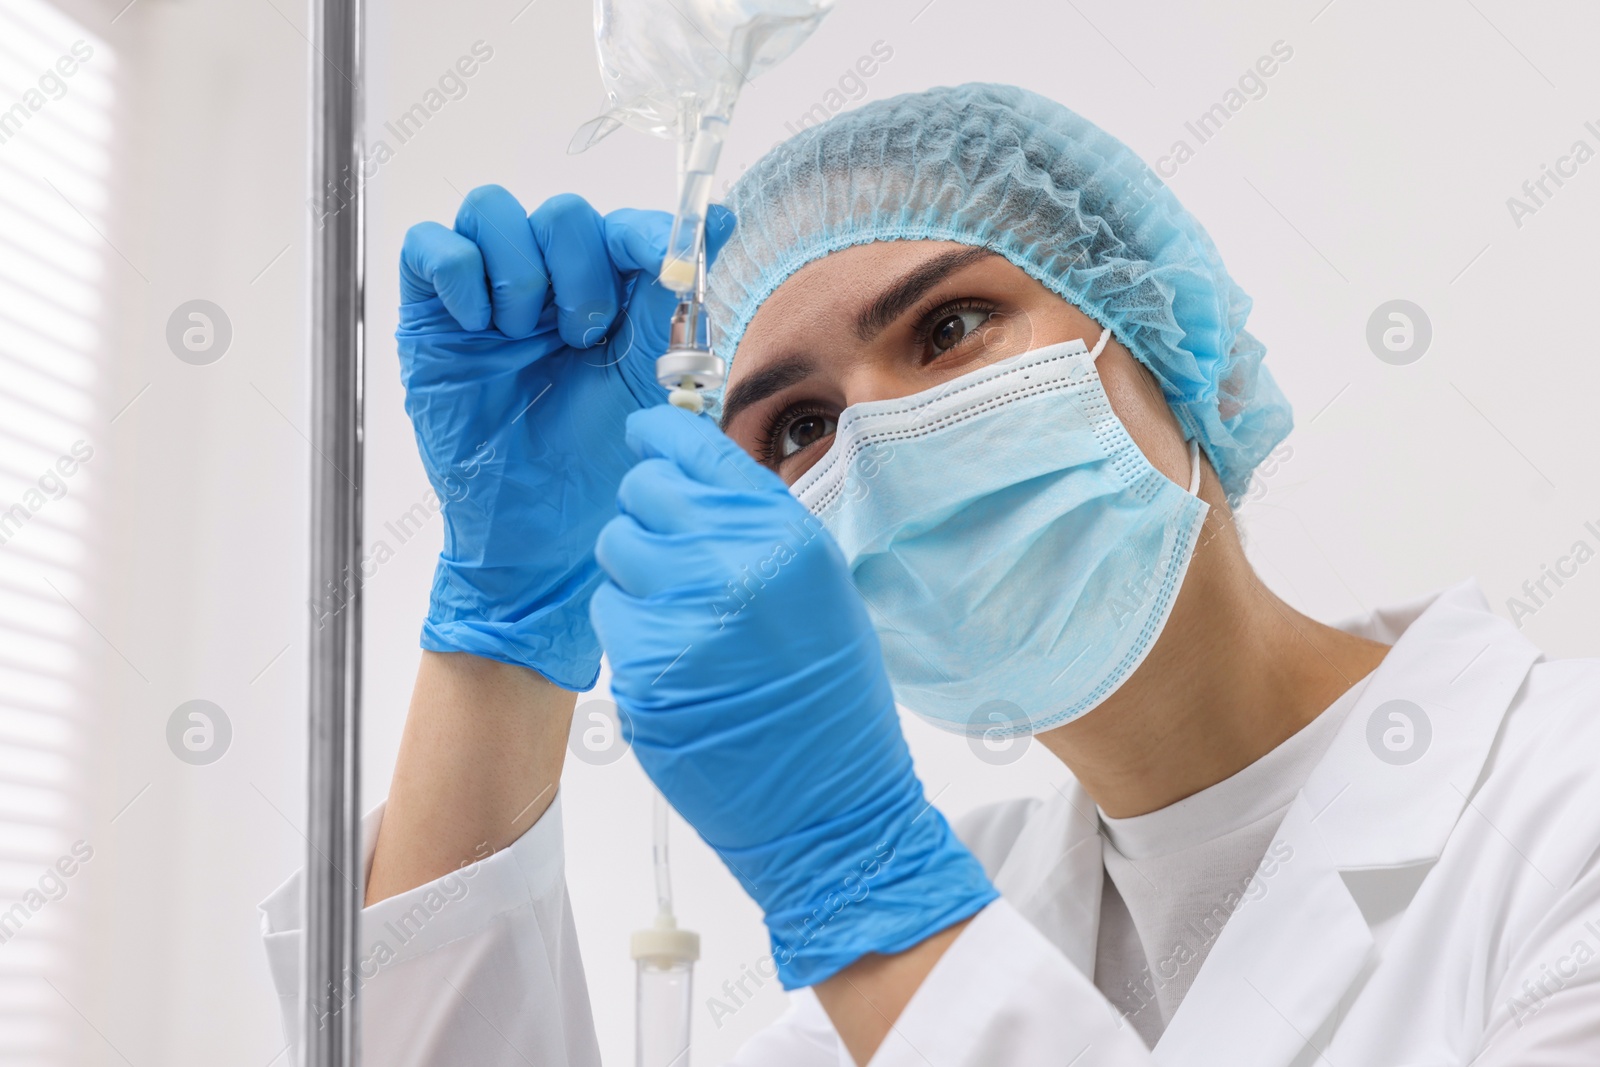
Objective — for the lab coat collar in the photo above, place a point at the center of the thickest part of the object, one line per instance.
(1285, 959)
(1053, 874)
(1276, 974)
(1461, 665)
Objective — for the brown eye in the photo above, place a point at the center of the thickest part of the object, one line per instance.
(803, 432)
(949, 330)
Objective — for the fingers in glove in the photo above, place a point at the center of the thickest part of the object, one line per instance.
(697, 446)
(435, 261)
(588, 292)
(663, 499)
(518, 279)
(637, 239)
(640, 562)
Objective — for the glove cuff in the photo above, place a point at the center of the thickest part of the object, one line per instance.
(904, 890)
(555, 639)
(502, 642)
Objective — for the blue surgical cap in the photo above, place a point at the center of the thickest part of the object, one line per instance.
(1008, 170)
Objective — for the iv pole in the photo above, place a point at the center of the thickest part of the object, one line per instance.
(334, 885)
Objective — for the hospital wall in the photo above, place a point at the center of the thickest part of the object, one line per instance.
(1376, 162)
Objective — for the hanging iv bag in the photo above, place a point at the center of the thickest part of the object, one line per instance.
(674, 68)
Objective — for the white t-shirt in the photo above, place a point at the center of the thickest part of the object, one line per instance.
(1174, 876)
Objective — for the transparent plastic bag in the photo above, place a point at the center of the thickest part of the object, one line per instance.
(664, 63)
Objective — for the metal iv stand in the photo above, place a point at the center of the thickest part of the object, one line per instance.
(334, 881)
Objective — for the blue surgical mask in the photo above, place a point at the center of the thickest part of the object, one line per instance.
(1016, 551)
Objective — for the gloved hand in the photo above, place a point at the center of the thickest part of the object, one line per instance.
(759, 704)
(525, 342)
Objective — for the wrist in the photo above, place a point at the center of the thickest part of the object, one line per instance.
(864, 1000)
(880, 898)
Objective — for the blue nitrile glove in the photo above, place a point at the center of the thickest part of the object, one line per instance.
(524, 344)
(759, 704)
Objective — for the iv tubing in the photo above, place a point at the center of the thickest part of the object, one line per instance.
(664, 957)
(663, 868)
(697, 166)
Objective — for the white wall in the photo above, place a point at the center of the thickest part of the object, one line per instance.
(1376, 166)
(206, 533)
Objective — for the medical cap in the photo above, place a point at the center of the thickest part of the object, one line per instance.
(1005, 169)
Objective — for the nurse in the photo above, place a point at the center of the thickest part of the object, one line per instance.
(990, 405)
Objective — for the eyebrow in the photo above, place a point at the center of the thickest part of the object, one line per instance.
(893, 301)
(764, 383)
(889, 305)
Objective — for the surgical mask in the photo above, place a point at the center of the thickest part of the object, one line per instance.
(1017, 553)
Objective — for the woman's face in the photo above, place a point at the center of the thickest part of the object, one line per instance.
(888, 319)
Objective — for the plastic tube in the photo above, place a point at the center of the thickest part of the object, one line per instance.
(663, 868)
(697, 170)
(664, 957)
(665, 994)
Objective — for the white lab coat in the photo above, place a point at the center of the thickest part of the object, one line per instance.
(1444, 911)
